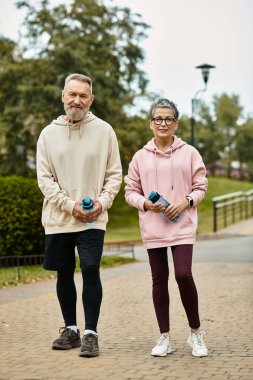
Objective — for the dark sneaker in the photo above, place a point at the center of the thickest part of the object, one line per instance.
(68, 339)
(89, 346)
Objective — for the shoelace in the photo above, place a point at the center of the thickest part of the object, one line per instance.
(199, 337)
(161, 340)
(64, 331)
(89, 339)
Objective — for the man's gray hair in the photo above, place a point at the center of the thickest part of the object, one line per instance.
(80, 77)
(163, 103)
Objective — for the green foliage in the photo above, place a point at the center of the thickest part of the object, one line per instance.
(85, 36)
(227, 110)
(21, 232)
(7, 47)
(133, 135)
(184, 130)
(103, 42)
(216, 130)
(210, 141)
(244, 140)
(244, 144)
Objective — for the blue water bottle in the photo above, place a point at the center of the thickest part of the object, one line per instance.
(154, 197)
(87, 205)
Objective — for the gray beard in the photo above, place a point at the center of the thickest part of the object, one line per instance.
(76, 114)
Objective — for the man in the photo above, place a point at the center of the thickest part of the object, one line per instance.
(77, 157)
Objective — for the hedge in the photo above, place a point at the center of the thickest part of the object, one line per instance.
(21, 232)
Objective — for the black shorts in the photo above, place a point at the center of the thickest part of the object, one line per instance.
(60, 249)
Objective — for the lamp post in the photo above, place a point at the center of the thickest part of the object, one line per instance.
(205, 69)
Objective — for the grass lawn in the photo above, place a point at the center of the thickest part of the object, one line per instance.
(122, 234)
(30, 274)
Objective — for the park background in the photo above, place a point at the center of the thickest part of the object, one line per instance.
(108, 42)
(131, 64)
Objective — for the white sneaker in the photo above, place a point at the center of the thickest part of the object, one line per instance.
(163, 346)
(196, 342)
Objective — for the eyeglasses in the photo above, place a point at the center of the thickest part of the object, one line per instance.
(159, 120)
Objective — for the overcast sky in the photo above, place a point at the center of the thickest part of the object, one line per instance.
(184, 34)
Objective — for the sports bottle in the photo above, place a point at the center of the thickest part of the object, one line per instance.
(87, 205)
(154, 197)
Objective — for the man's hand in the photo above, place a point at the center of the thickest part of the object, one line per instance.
(87, 217)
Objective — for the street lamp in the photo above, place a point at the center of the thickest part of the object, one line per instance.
(205, 68)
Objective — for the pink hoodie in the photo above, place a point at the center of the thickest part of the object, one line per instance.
(174, 174)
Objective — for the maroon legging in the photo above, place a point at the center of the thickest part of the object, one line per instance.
(182, 258)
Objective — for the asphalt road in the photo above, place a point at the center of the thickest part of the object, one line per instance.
(229, 250)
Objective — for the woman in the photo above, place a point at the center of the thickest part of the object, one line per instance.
(175, 170)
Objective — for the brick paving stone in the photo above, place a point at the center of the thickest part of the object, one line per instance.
(30, 319)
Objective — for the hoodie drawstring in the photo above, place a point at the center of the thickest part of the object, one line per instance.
(177, 143)
(172, 169)
(79, 125)
(79, 131)
(156, 179)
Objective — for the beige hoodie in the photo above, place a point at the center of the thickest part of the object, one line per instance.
(75, 161)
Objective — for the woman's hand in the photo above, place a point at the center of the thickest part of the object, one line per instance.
(174, 209)
(156, 207)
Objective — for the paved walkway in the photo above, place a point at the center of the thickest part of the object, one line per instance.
(30, 316)
(242, 228)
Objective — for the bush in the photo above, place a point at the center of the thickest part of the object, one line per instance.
(21, 232)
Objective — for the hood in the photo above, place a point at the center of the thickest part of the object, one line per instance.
(177, 143)
(150, 146)
(71, 126)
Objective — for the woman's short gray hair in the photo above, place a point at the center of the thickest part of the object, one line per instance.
(163, 103)
(80, 77)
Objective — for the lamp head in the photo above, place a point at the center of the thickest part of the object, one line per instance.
(205, 68)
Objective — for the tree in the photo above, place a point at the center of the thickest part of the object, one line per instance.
(85, 36)
(228, 111)
(184, 129)
(216, 129)
(209, 142)
(133, 136)
(244, 143)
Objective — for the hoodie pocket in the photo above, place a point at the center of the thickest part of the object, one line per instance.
(53, 216)
(156, 226)
(186, 226)
(152, 225)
